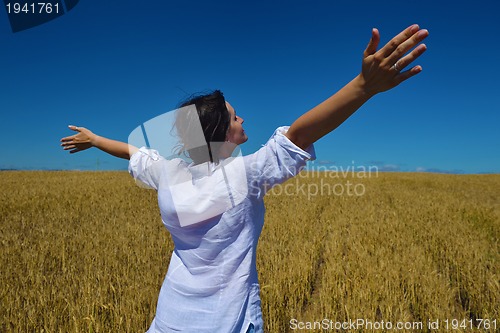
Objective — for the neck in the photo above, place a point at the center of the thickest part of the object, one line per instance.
(227, 149)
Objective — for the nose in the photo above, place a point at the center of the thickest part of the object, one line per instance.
(241, 120)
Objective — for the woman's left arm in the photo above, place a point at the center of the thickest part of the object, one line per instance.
(380, 72)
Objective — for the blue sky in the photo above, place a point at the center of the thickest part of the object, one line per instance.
(112, 65)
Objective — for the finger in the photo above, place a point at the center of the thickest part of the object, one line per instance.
(407, 45)
(65, 144)
(69, 147)
(403, 76)
(74, 128)
(409, 58)
(68, 138)
(372, 46)
(400, 38)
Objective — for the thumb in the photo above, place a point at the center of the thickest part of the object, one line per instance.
(372, 46)
(74, 128)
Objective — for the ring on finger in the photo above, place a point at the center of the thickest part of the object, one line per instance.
(396, 67)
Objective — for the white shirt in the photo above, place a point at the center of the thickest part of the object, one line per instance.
(211, 284)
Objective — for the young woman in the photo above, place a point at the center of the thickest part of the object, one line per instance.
(214, 207)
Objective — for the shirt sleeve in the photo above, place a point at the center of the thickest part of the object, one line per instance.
(145, 165)
(278, 160)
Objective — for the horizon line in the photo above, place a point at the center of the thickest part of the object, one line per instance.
(430, 171)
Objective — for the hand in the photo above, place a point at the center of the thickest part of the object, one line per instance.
(78, 142)
(381, 70)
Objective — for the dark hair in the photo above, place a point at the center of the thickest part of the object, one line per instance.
(214, 117)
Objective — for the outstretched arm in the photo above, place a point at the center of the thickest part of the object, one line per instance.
(85, 139)
(380, 72)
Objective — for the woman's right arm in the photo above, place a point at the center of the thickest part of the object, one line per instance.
(85, 139)
(381, 71)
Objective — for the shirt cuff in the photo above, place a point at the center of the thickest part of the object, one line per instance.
(309, 153)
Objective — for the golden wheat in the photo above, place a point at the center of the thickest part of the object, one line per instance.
(86, 252)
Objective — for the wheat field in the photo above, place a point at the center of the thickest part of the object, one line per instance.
(87, 252)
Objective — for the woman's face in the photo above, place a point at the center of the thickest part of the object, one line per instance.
(236, 133)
